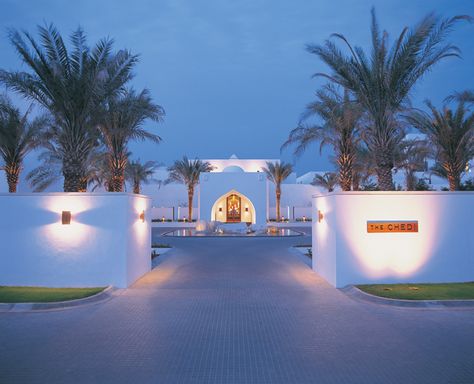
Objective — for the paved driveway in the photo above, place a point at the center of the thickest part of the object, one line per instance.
(236, 311)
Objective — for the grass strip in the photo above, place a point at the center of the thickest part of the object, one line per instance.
(10, 294)
(414, 291)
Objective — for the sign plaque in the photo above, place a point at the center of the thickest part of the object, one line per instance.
(392, 226)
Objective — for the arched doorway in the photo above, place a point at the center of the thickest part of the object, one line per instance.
(233, 207)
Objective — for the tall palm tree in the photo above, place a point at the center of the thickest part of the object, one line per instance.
(121, 121)
(341, 120)
(96, 173)
(18, 136)
(71, 84)
(382, 79)
(327, 181)
(187, 171)
(138, 173)
(451, 133)
(277, 173)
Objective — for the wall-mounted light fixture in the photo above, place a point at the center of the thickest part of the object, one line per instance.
(142, 216)
(320, 216)
(66, 217)
(220, 209)
(246, 209)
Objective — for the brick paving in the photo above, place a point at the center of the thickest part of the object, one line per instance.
(236, 311)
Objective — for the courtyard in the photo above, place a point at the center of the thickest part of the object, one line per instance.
(236, 310)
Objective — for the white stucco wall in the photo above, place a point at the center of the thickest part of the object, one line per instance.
(251, 184)
(441, 251)
(105, 244)
(247, 165)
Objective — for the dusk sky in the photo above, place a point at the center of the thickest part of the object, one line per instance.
(234, 76)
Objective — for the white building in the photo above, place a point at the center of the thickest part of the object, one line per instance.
(236, 190)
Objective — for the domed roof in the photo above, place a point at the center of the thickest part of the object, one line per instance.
(233, 169)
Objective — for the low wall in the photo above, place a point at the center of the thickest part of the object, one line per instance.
(442, 250)
(291, 212)
(106, 242)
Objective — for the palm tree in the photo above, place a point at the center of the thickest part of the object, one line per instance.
(96, 173)
(18, 136)
(341, 118)
(277, 173)
(120, 121)
(71, 84)
(382, 79)
(187, 172)
(451, 133)
(327, 181)
(138, 173)
(411, 157)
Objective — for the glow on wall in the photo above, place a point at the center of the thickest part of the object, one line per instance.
(233, 207)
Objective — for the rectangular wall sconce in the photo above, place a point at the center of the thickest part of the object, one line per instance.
(142, 216)
(220, 209)
(66, 217)
(246, 209)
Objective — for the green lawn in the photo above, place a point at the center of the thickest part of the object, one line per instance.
(43, 295)
(445, 291)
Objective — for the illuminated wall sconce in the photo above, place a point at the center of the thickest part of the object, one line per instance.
(320, 216)
(220, 209)
(66, 217)
(246, 209)
(142, 216)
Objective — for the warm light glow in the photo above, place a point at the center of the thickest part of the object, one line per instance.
(140, 227)
(218, 212)
(68, 235)
(320, 216)
(383, 254)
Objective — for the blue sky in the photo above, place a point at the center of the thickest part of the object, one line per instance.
(234, 76)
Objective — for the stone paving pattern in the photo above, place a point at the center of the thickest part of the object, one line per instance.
(236, 311)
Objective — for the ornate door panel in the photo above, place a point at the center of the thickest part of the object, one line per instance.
(234, 210)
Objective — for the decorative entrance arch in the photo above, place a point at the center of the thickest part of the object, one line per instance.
(233, 207)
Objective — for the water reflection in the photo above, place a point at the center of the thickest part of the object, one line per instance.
(190, 232)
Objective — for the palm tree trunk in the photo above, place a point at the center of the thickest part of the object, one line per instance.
(117, 166)
(117, 181)
(278, 197)
(454, 182)
(384, 164)
(136, 187)
(384, 178)
(74, 182)
(13, 175)
(190, 203)
(345, 172)
(74, 176)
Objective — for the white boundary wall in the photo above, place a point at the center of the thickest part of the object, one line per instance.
(441, 251)
(105, 244)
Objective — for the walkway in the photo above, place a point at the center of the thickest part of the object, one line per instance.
(236, 311)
